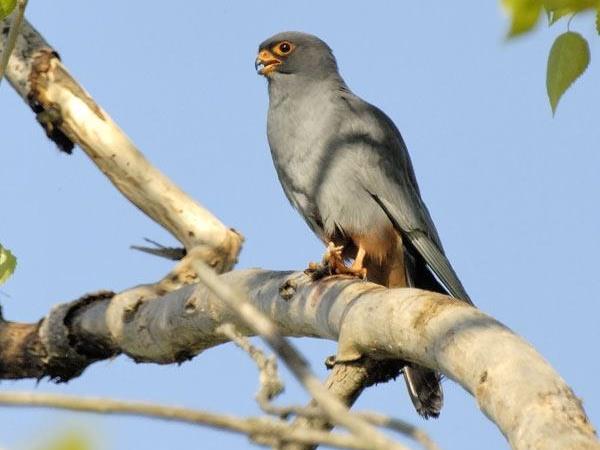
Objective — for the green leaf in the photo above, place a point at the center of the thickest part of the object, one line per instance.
(598, 20)
(70, 441)
(524, 14)
(6, 7)
(569, 6)
(8, 263)
(556, 9)
(568, 59)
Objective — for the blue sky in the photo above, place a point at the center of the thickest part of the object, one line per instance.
(513, 191)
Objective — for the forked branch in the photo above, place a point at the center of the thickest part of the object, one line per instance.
(173, 320)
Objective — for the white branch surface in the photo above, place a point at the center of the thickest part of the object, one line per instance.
(513, 385)
(333, 408)
(38, 75)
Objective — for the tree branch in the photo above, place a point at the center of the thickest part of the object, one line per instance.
(347, 381)
(70, 115)
(514, 386)
(260, 324)
(270, 382)
(13, 32)
(262, 430)
(271, 386)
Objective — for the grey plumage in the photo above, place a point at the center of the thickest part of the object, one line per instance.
(344, 166)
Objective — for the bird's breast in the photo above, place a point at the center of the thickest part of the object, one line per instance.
(298, 129)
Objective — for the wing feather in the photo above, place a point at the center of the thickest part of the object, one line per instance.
(394, 188)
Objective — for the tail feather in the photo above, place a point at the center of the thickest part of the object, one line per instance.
(425, 390)
(424, 385)
(401, 268)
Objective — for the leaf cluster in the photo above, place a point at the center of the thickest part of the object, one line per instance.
(6, 7)
(570, 54)
(8, 263)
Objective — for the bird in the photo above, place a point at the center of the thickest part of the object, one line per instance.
(345, 168)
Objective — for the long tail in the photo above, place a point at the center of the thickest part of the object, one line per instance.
(399, 270)
(424, 389)
(424, 385)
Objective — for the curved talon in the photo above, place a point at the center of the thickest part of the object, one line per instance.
(333, 264)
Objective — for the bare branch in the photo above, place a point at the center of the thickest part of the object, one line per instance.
(400, 426)
(15, 27)
(347, 380)
(270, 382)
(172, 253)
(47, 86)
(514, 386)
(262, 430)
(315, 415)
(256, 321)
(271, 386)
(70, 115)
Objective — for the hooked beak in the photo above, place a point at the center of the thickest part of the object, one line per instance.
(266, 62)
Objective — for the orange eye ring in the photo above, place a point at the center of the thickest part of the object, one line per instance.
(283, 48)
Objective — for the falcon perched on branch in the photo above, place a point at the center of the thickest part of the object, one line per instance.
(344, 166)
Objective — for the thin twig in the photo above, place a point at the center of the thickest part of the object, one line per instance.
(335, 410)
(265, 431)
(380, 420)
(346, 382)
(271, 386)
(15, 27)
(270, 382)
(399, 426)
(172, 253)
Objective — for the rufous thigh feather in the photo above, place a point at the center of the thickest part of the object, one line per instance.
(384, 258)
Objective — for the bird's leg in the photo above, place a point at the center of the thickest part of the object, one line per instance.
(357, 267)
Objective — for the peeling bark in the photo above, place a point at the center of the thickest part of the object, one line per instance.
(54, 347)
(21, 352)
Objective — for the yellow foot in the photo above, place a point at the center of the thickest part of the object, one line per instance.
(357, 271)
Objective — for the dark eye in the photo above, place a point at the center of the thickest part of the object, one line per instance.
(285, 47)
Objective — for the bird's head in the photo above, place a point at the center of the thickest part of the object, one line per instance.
(295, 53)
